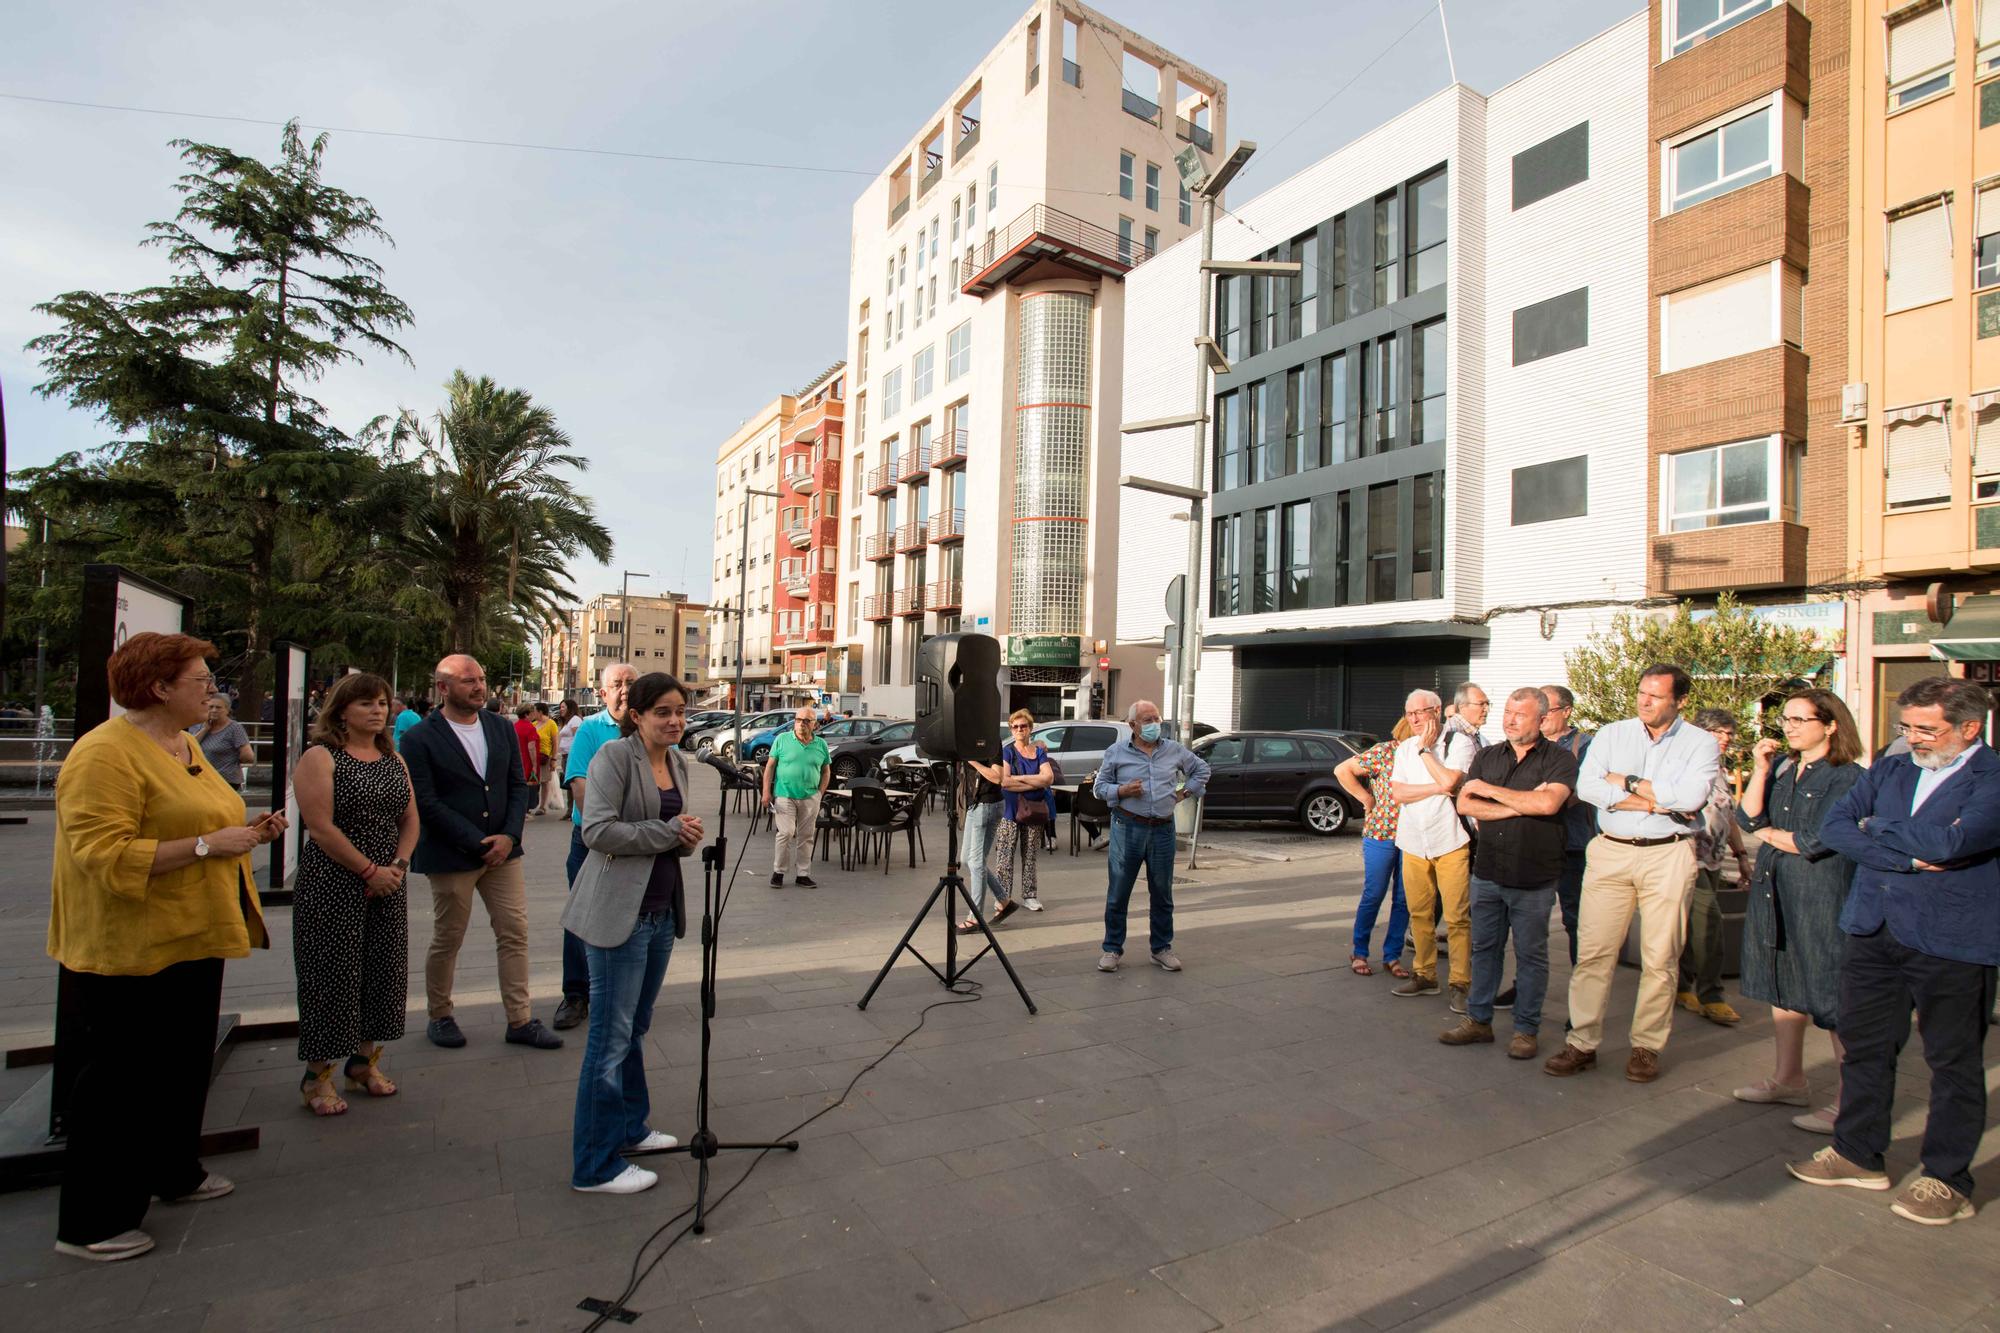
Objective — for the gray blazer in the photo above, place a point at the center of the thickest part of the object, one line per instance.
(624, 832)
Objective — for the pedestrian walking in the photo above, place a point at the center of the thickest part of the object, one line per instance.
(546, 730)
(1649, 777)
(1517, 791)
(1381, 862)
(225, 742)
(472, 798)
(151, 890)
(1027, 811)
(614, 684)
(1923, 926)
(350, 908)
(796, 773)
(1437, 864)
(569, 718)
(628, 907)
(985, 803)
(1792, 940)
(1716, 836)
(1144, 778)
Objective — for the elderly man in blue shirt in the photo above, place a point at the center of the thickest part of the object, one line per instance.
(1923, 927)
(1143, 778)
(1649, 777)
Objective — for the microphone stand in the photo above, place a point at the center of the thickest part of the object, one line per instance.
(702, 1144)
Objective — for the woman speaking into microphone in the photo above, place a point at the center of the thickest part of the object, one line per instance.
(628, 908)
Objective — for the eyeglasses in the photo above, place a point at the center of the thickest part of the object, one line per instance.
(1789, 720)
(1924, 733)
(205, 678)
(1419, 712)
(1024, 726)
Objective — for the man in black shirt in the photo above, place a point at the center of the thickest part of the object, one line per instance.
(1517, 792)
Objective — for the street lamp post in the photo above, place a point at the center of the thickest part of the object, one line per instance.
(742, 612)
(625, 614)
(1208, 360)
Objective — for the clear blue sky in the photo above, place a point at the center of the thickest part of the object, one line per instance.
(653, 306)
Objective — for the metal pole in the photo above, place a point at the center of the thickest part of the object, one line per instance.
(1191, 599)
(41, 627)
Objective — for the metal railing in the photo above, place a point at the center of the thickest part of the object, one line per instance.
(945, 595)
(1060, 227)
(949, 447)
(880, 545)
(947, 525)
(875, 606)
(910, 536)
(913, 463)
(882, 477)
(1198, 135)
(1144, 108)
(908, 601)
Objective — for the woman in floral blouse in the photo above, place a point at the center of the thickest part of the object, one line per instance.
(1381, 863)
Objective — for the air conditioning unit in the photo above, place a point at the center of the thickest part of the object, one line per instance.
(1854, 404)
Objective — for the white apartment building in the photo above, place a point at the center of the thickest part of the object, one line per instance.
(1428, 463)
(985, 341)
(747, 461)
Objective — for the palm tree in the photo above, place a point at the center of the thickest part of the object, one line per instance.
(490, 538)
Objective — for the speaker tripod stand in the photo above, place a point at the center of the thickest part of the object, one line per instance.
(950, 887)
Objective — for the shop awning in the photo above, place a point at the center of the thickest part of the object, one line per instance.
(1426, 629)
(1973, 634)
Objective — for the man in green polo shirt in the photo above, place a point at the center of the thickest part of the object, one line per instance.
(794, 776)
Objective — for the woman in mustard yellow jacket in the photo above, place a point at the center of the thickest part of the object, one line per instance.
(152, 890)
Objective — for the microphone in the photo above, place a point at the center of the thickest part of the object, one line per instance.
(731, 775)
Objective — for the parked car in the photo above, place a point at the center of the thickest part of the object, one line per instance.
(854, 755)
(1358, 741)
(1077, 746)
(1277, 775)
(722, 732)
(842, 728)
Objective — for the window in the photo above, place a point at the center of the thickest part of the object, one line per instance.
(854, 537)
(992, 190)
(1338, 262)
(1921, 55)
(1427, 383)
(1295, 590)
(880, 649)
(1917, 460)
(1264, 560)
(1739, 152)
(1333, 409)
(1229, 441)
(1225, 582)
(1231, 317)
(972, 208)
(920, 373)
(1919, 258)
(958, 351)
(1985, 441)
(1426, 232)
(1388, 249)
(1261, 450)
(892, 392)
(1072, 68)
(1722, 486)
(1987, 35)
(1125, 239)
(1544, 492)
(1553, 165)
(1305, 288)
(1152, 242)
(1382, 531)
(934, 238)
(1986, 226)
(1187, 207)
(1690, 22)
(1379, 425)
(1125, 164)
(1425, 567)
(956, 205)
(1153, 186)
(1298, 430)
(1547, 328)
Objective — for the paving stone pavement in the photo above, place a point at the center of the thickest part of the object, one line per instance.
(1262, 1141)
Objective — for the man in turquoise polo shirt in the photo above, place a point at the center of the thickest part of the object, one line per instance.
(794, 777)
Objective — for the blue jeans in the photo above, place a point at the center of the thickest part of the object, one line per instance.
(1133, 844)
(611, 1100)
(1381, 876)
(1569, 893)
(1496, 913)
(982, 821)
(576, 964)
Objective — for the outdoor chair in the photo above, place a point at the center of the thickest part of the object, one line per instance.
(1086, 804)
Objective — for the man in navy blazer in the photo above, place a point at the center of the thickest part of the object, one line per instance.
(1923, 926)
(472, 798)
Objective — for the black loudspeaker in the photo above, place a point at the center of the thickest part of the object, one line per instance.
(958, 697)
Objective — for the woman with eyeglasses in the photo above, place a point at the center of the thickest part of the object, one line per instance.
(1027, 811)
(151, 891)
(1792, 941)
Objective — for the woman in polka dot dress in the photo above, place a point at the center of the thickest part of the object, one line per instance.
(350, 915)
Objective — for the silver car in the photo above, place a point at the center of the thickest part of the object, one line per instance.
(1076, 744)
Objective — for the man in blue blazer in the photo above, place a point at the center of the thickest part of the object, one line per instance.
(1923, 926)
(472, 798)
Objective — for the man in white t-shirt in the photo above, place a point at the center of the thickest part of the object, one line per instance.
(1437, 862)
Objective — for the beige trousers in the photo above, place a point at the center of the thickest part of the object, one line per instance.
(1617, 880)
(1425, 881)
(505, 889)
(796, 820)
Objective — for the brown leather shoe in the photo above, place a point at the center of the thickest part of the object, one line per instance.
(1467, 1033)
(1569, 1060)
(1523, 1046)
(1644, 1066)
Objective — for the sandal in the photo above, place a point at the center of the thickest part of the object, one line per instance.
(318, 1094)
(371, 1079)
(1359, 966)
(969, 926)
(1006, 910)
(1397, 970)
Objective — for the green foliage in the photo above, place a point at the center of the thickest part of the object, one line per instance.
(1737, 660)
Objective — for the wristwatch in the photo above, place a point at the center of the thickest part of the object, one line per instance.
(201, 847)
(401, 863)
(1632, 781)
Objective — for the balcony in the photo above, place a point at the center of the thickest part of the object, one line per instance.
(882, 478)
(823, 474)
(967, 138)
(897, 210)
(800, 534)
(1136, 105)
(875, 606)
(948, 450)
(1034, 77)
(798, 585)
(910, 536)
(908, 601)
(1047, 234)
(808, 430)
(1198, 135)
(913, 463)
(880, 546)
(947, 525)
(1072, 74)
(944, 595)
(933, 173)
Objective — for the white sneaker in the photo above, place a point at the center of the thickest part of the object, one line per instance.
(654, 1141)
(632, 1180)
(1108, 963)
(1099, 843)
(212, 1187)
(1165, 958)
(126, 1245)
(1032, 904)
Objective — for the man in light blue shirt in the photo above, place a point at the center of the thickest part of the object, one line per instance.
(1143, 778)
(613, 683)
(1649, 777)
(406, 717)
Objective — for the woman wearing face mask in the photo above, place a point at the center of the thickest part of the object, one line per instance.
(628, 908)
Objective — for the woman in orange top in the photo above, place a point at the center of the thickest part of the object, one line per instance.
(151, 891)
